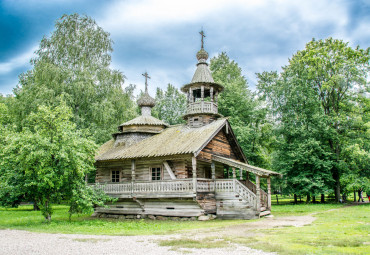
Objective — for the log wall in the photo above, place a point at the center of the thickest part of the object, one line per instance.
(219, 146)
(142, 172)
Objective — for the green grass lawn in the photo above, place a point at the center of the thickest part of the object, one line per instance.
(24, 218)
(345, 230)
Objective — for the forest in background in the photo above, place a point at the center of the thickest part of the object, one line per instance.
(309, 122)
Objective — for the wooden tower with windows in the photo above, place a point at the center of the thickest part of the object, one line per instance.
(202, 93)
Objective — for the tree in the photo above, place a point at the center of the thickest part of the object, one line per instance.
(170, 105)
(75, 62)
(47, 162)
(318, 100)
(246, 112)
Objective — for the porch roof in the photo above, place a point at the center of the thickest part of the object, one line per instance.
(249, 168)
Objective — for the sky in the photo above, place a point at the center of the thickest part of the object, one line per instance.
(161, 37)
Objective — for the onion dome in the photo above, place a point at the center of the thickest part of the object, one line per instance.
(146, 100)
(202, 55)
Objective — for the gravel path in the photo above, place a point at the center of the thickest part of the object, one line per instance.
(24, 242)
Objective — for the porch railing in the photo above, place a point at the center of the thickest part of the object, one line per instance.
(182, 186)
(202, 107)
(233, 185)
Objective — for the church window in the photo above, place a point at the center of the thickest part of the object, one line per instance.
(156, 173)
(115, 176)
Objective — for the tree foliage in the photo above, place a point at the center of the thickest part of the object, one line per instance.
(319, 104)
(75, 62)
(47, 162)
(170, 105)
(245, 111)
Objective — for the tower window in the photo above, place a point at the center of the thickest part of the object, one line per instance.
(197, 93)
(207, 93)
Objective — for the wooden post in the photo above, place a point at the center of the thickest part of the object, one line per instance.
(241, 174)
(234, 173)
(133, 168)
(269, 193)
(202, 92)
(191, 95)
(258, 194)
(211, 94)
(213, 168)
(194, 165)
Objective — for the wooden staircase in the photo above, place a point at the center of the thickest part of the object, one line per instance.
(237, 201)
(231, 206)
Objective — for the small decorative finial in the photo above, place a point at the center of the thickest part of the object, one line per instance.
(202, 35)
(146, 81)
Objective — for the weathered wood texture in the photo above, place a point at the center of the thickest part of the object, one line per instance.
(142, 171)
(163, 207)
(219, 146)
(207, 201)
(180, 169)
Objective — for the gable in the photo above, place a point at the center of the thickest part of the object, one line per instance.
(222, 144)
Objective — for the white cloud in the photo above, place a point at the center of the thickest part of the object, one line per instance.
(140, 16)
(18, 61)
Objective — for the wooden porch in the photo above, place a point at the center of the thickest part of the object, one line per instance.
(185, 188)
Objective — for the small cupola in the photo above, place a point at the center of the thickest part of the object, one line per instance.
(146, 102)
(141, 127)
(202, 93)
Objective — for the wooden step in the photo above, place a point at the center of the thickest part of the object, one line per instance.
(264, 213)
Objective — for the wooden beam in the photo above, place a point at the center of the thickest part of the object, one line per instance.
(241, 174)
(269, 193)
(133, 169)
(213, 168)
(169, 170)
(258, 194)
(234, 173)
(194, 169)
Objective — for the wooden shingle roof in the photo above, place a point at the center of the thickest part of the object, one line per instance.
(175, 140)
(144, 120)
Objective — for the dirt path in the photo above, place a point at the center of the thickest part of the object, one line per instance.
(24, 242)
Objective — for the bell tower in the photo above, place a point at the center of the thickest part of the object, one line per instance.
(202, 93)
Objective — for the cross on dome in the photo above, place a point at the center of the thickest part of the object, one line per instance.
(202, 35)
(146, 75)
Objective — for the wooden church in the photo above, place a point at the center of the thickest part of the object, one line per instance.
(186, 170)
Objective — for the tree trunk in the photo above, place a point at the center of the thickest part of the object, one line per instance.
(295, 198)
(336, 178)
(313, 199)
(35, 207)
(308, 198)
(277, 199)
(354, 195)
(322, 198)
